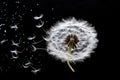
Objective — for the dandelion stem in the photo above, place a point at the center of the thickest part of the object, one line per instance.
(69, 52)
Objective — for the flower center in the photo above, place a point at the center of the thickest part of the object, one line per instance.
(71, 40)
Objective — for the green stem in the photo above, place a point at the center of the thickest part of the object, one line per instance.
(69, 52)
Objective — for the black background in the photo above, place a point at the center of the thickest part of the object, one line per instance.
(97, 12)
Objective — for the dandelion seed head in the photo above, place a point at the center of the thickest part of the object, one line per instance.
(84, 35)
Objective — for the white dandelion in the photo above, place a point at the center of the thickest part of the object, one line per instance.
(71, 40)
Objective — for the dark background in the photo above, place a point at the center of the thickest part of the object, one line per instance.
(97, 12)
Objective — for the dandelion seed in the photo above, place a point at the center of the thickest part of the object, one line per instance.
(34, 42)
(40, 25)
(3, 41)
(35, 70)
(34, 48)
(14, 54)
(31, 37)
(2, 25)
(14, 27)
(15, 44)
(26, 65)
(38, 17)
